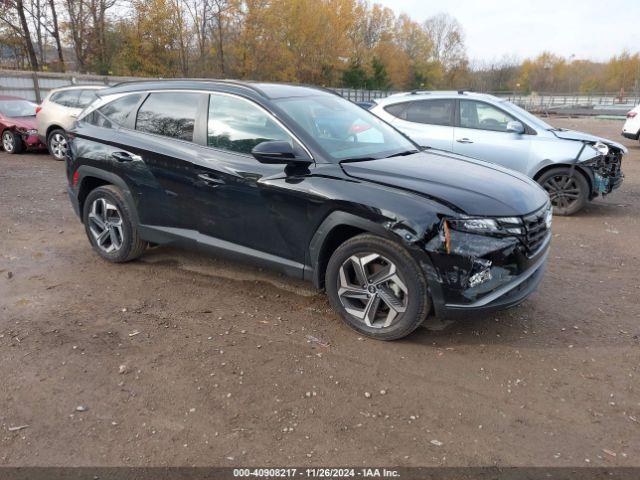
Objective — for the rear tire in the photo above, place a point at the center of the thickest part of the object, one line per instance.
(567, 189)
(377, 287)
(12, 142)
(110, 225)
(57, 144)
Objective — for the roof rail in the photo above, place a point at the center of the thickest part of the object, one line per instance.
(235, 83)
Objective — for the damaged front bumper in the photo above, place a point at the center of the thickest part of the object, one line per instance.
(606, 172)
(511, 292)
(469, 273)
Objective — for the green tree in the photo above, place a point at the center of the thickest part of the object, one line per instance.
(379, 79)
(354, 76)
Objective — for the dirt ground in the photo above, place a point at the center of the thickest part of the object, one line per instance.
(219, 368)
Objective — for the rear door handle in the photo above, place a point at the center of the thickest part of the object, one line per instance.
(209, 180)
(464, 140)
(125, 157)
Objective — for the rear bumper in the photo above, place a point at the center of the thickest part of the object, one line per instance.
(632, 136)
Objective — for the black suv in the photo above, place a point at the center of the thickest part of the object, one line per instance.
(300, 179)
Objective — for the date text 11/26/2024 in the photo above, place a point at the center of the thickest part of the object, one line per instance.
(316, 472)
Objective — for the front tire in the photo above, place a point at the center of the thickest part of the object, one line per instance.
(567, 189)
(57, 144)
(110, 226)
(12, 142)
(377, 287)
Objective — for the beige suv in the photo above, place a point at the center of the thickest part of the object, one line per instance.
(57, 113)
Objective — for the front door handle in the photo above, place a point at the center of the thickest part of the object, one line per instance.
(209, 180)
(125, 157)
(464, 140)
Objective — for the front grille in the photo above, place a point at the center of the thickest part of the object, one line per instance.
(535, 226)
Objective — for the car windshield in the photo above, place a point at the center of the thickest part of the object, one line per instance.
(528, 117)
(17, 108)
(344, 130)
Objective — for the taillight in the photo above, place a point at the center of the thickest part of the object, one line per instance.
(632, 114)
(38, 108)
(74, 180)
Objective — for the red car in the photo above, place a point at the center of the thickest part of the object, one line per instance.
(18, 128)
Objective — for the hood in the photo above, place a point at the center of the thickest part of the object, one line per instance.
(28, 123)
(586, 137)
(475, 187)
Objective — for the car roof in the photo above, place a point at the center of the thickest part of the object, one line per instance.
(262, 89)
(443, 94)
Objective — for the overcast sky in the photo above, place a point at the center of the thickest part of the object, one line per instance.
(588, 29)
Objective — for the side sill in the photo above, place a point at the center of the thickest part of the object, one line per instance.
(186, 237)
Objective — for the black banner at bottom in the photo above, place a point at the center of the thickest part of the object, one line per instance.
(331, 473)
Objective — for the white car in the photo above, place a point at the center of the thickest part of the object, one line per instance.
(631, 127)
(573, 167)
(57, 113)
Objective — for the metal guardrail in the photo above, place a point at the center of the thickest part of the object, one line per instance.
(36, 85)
(574, 103)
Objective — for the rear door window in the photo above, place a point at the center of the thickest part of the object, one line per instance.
(432, 112)
(86, 97)
(169, 114)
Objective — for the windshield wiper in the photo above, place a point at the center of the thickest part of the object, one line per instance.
(404, 153)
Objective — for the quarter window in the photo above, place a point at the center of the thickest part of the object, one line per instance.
(483, 116)
(397, 109)
(114, 114)
(169, 114)
(66, 98)
(238, 125)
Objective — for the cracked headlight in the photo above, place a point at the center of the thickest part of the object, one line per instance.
(601, 148)
(492, 226)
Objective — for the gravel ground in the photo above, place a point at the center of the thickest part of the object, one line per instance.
(183, 359)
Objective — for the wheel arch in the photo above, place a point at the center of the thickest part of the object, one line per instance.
(91, 178)
(336, 228)
(586, 173)
(7, 128)
(50, 129)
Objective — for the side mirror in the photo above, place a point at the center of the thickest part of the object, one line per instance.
(277, 151)
(515, 127)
